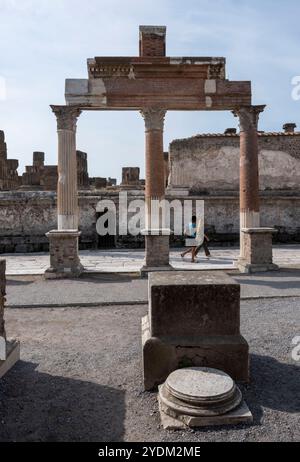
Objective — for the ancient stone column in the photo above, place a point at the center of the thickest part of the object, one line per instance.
(157, 238)
(249, 174)
(64, 254)
(67, 201)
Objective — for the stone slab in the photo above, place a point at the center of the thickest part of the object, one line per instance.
(241, 415)
(248, 268)
(13, 356)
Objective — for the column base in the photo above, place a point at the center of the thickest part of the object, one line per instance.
(248, 268)
(257, 252)
(64, 255)
(151, 269)
(12, 357)
(157, 257)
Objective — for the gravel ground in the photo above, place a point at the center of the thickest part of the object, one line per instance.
(80, 377)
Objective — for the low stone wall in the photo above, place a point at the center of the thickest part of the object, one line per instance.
(26, 217)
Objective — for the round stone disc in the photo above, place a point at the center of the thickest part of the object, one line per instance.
(198, 385)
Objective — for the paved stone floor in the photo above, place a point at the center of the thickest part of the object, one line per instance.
(124, 261)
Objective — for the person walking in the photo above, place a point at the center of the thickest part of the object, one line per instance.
(203, 241)
(190, 240)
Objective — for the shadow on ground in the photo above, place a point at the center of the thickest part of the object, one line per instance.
(35, 406)
(274, 385)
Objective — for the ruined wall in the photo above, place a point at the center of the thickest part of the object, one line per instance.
(211, 162)
(9, 178)
(25, 218)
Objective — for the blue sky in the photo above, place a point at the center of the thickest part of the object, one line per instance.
(42, 42)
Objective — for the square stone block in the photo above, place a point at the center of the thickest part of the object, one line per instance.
(190, 303)
(193, 320)
(241, 415)
(257, 250)
(64, 255)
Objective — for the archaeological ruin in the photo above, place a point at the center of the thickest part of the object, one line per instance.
(205, 166)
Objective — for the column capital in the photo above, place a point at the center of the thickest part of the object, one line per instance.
(154, 118)
(248, 116)
(66, 117)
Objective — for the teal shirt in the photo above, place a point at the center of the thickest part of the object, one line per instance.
(192, 229)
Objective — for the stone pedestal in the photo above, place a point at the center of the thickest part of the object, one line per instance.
(64, 256)
(197, 397)
(157, 257)
(9, 349)
(193, 321)
(258, 250)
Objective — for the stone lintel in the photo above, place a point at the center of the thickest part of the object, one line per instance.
(259, 230)
(64, 233)
(174, 92)
(156, 232)
(157, 30)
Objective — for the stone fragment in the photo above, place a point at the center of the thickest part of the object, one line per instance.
(195, 397)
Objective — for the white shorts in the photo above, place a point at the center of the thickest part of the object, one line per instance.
(191, 242)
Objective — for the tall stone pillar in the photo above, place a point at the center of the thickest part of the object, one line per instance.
(157, 237)
(249, 174)
(64, 256)
(256, 242)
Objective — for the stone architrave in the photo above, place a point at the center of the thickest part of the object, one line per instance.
(9, 349)
(193, 321)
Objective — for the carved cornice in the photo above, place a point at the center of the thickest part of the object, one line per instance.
(66, 117)
(154, 118)
(248, 117)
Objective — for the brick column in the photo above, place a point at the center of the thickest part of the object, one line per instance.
(157, 238)
(249, 174)
(64, 256)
